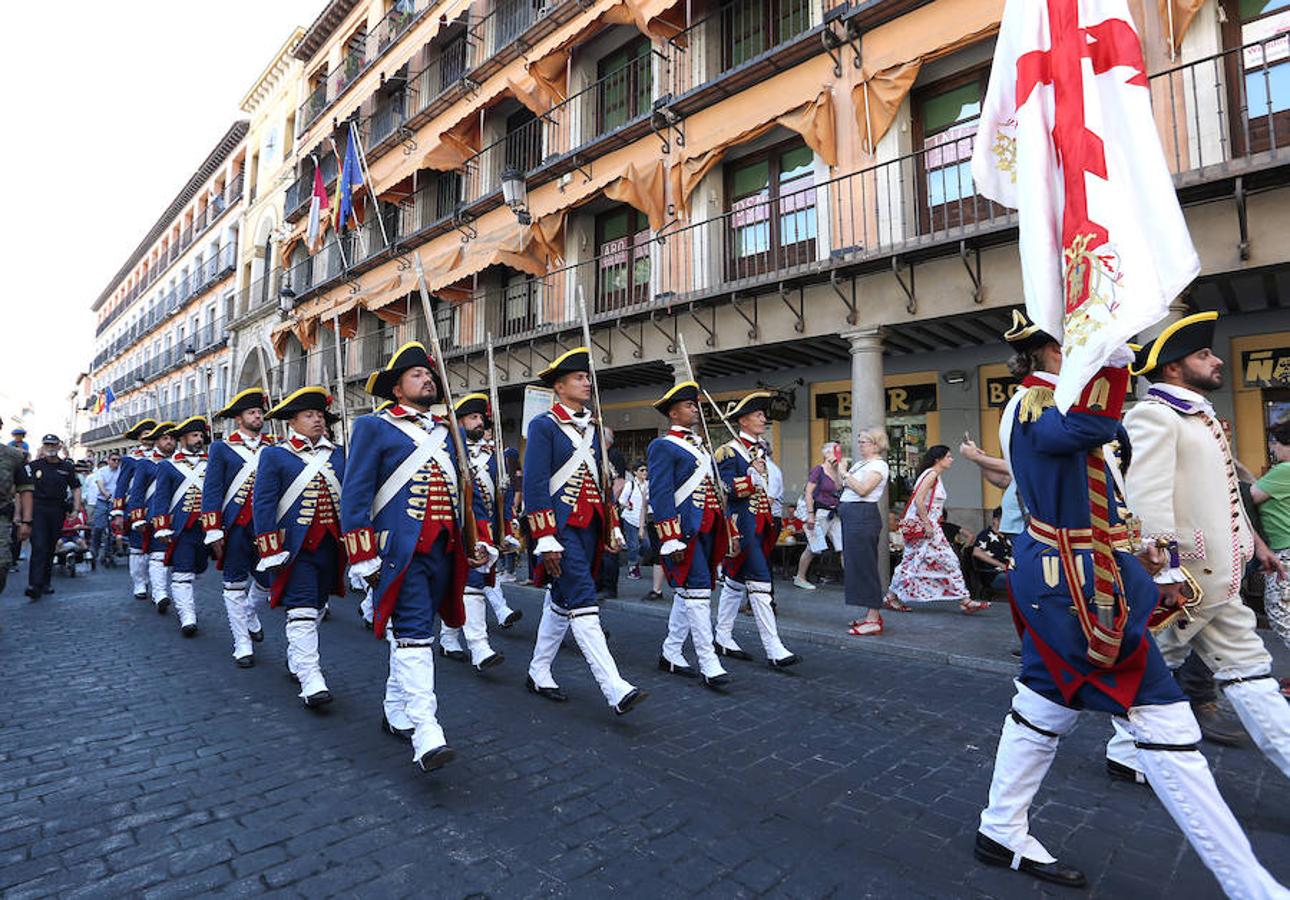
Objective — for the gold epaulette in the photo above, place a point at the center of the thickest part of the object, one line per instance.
(1033, 403)
(724, 452)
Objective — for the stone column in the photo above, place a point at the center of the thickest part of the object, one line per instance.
(868, 405)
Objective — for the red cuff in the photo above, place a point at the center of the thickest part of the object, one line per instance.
(744, 487)
(119, 504)
(542, 523)
(270, 543)
(360, 545)
(669, 529)
(161, 522)
(212, 521)
(137, 515)
(1104, 395)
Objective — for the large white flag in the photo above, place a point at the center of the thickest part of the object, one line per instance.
(1067, 139)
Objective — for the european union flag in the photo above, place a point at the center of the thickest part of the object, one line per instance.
(351, 178)
(109, 397)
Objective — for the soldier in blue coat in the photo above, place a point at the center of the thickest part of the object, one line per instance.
(141, 490)
(296, 511)
(175, 512)
(694, 529)
(400, 514)
(742, 462)
(473, 418)
(572, 522)
(138, 555)
(1082, 599)
(227, 519)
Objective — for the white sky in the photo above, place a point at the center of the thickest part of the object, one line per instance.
(110, 107)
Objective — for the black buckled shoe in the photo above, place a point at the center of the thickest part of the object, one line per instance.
(1121, 772)
(992, 853)
(34, 593)
(188, 630)
(633, 698)
(784, 661)
(245, 662)
(512, 617)
(256, 636)
(321, 698)
(163, 606)
(488, 662)
(367, 625)
(685, 671)
(730, 652)
(142, 595)
(550, 693)
(458, 655)
(716, 681)
(403, 734)
(436, 758)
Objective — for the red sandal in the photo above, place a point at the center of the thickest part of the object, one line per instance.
(890, 602)
(866, 628)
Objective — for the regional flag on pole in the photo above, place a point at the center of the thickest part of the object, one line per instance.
(1067, 138)
(318, 205)
(351, 178)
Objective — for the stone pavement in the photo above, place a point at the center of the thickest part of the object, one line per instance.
(134, 762)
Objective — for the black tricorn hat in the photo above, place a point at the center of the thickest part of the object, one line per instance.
(576, 360)
(161, 429)
(473, 403)
(251, 398)
(757, 400)
(140, 428)
(191, 424)
(1025, 335)
(686, 390)
(1180, 339)
(381, 382)
(311, 397)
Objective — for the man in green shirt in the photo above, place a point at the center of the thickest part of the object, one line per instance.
(15, 504)
(1272, 494)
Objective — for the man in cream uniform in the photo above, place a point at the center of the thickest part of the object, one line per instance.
(1183, 486)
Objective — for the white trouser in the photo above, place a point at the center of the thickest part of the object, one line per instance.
(1020, 764)
(236, 607)
(396, 700)
(1266, 716)
(698, 611)
(591, 641)
(302, 650)
(256, 598)
(475, 631)
(181, 586)
(366, 607)
(1121, 748)
(550, 634)
(678, 628)
(497, 600)
(139, 570)
(759, 597)
(1182, 780)
(159, 575)
(412, 663)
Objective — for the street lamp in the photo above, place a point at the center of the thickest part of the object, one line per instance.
(515, 191)
(190, 355)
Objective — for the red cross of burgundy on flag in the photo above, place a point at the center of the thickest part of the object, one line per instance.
(1067, 138)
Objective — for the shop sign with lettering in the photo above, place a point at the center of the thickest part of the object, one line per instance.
(1266, 367)
(902, 400)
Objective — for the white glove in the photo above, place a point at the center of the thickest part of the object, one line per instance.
(163, 533)
(1121, 357)
(358, 572)
(548, 544)
(272, 562)
(215, 534)
(672, 546)
(493, 555)
(511, 542)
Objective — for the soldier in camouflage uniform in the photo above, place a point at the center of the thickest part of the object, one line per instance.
(15, 504)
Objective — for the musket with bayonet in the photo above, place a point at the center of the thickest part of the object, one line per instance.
(499, 449)
(732, 533)
(465, 477)
(606, 480)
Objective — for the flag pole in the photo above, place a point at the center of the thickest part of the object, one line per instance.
(338, 227)
(340, 381)
(367, 179)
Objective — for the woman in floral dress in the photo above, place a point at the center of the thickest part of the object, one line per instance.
(929, 571)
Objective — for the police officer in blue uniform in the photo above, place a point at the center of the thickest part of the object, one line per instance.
(134, 539)
(742, 463)
(473, 418)
(694, 528)
(399, 512)
(296, 512)
(142, 488)
(175, 515)
(572, 522)
(1081, 601)
(227, 519)
(55, 491)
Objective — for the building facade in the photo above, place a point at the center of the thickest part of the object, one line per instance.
(160, 341)
(781, 186)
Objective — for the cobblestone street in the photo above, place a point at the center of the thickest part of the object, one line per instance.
(134, 762)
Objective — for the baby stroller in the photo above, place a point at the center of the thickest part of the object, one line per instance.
(73, 545)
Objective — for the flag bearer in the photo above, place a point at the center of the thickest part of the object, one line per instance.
(175, 515)
(226, 518)
(296, 512)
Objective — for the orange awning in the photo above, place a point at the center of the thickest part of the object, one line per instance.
(1183, 13)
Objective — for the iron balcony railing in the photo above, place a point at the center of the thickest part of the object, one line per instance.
(312, 108)
(734, 34)
(351, 66)
(301, 191)
(622, 96)
(260, 292)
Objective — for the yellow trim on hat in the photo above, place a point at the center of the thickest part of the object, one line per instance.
(677, 387)
(139, 428)
(475, 396)
(159, 430)
(555, 363)
(371, 379)
(1021, 329)
(240, 394)
(308, 389)
(733, 411)
(1165, 335)
(189, 421)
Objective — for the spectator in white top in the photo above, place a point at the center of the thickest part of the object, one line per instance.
(862, 529)
(633, 500)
